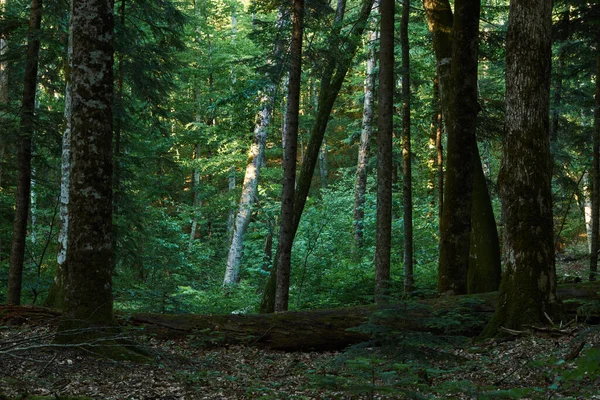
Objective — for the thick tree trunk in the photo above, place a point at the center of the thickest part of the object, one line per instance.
(528, 288)
(26, 130)
(337, 328)
(360, 186)
(56, 293)
(88, 289)
(341, 54)
(406, 152)
(485, 269)
(596, 178)
(458, 192)
(286, 230)
(384, 150)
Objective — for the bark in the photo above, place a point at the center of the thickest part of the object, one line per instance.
(197, 202)
(440, 21)
(341, 54)
(323, 168)
(528, 288)
(88, 289)
(586, 205)
(406, 152)
(249, 189)
(3, 93)
(336, 329)
(458, 192)
(439, 149)
(485, 269)
(119, 110)
(596, 178)
(360, 186)
(56, 293)
(384, 150)
(26, 131)
(255, 162)
(286, 230)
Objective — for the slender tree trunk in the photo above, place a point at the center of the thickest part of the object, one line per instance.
(384, 150)
(323, 168)
(360, 186)
(528, 288)
(286, 230)
(406, 152)
(3, 95)
(88, 289)
(439, 149)
(26, 130)
(341, 54)
(197, 202)
(586, 205)
(55, 297)
(255, 162)
(117, 156)
(596, 177)
(249, 189)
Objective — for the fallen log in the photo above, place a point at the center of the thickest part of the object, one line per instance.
(324, 329)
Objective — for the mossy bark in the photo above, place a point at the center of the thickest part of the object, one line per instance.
(528, 288)
(485, 269)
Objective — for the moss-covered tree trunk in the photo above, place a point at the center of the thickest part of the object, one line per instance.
(88, 287)
(528, 288)
(455, 227)
(440, 23)
(485, 269)
(26, 130)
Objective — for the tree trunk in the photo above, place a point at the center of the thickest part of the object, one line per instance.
(119, 111)
(286, 230)
(440, 21)
(528, 288)
(586, 204)
(485, 268)
(249, 188)
(56, 293)
(341, 54)
(439, 149)
(384, 150)
(406, 152)
(26, 130)
(197, 202)
(335, 329)
(323, 168)
(360, 186)
(596, 177)
(3, 94)
(458, 195)
(88, 289)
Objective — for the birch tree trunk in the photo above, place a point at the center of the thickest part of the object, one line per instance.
(26, 130)
(384, 150)
(55, 297)
(528, 289)
(256, 157)
(360, 186)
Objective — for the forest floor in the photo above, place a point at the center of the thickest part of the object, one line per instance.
(536, 365)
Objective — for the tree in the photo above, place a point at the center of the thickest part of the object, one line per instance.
(384, 149)
(88, 287)
(3, 87)
(339, 57)
(255, 161)
(473, 261)
(528, 288)
(286, 230)
(407, 203)
(596, 176)
(26, 130)
(360, 186)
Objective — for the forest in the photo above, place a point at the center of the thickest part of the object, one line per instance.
(303, 199)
